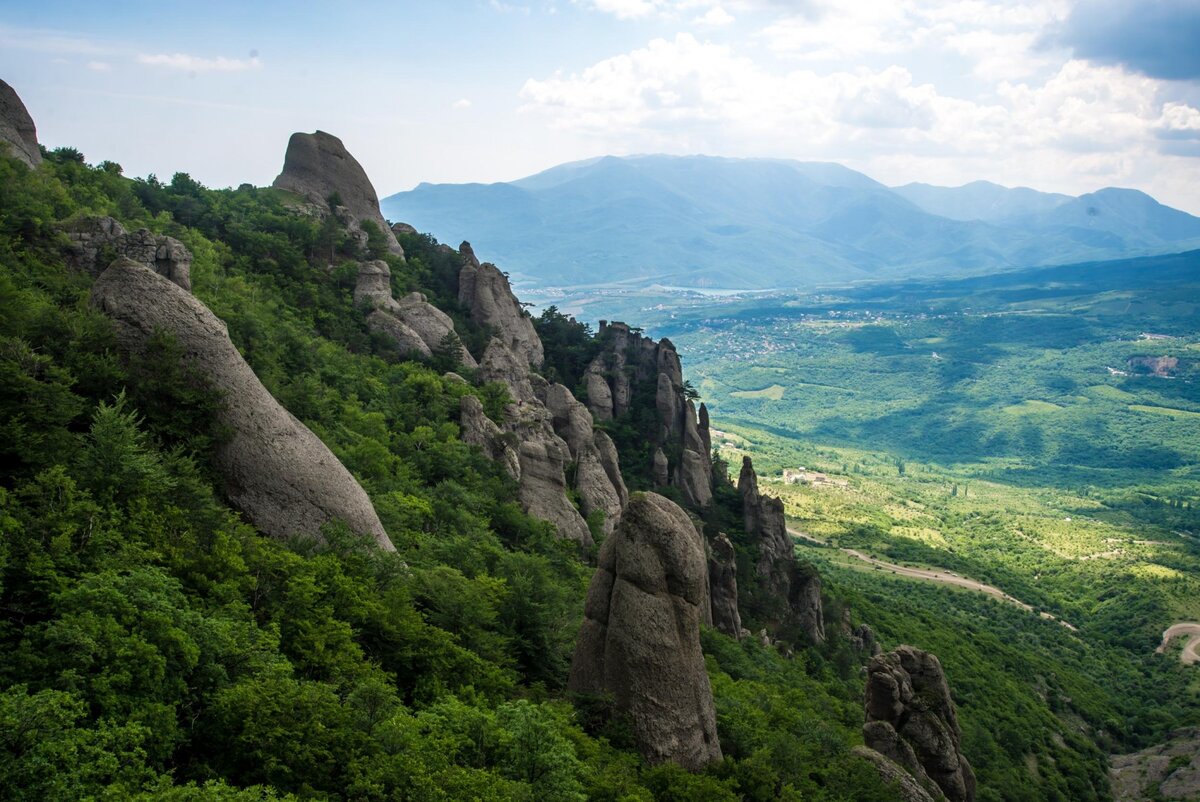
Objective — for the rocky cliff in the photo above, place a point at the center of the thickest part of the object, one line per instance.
(640, 639)
(276, 471)
(485, 293)
(631, 366)
(911, 720)
(776, 568)
(17, 129)
(318, 167)
(95, 241)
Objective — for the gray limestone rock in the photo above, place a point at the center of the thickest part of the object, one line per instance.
(95, 241)
(477, 429)
(804, 600)
(904, 784)
(661, 469)
(722, 588)
(695, 479)
(484, 291)
(318, 166)
(403, 228)
(543, 488)
(910, 719)
(282, 477)
(599, 395)
(415, 324)
(501, 364)
(609, 459)
(573, 422)
(17, 129)
(640, 639)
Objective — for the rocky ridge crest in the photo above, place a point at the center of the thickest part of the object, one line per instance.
(17, 129)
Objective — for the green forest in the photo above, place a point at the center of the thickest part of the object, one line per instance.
(153, 645)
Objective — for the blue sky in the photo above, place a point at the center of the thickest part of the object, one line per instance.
(1061, 95)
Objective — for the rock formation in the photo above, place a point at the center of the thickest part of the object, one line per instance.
(904, 784)
(95, 241)
(17, 129)
(317, 166)
(597, 475)
(282, 477)
(776, 566)
(484, 291)
(722, 588)
(640, 639)
(910, 720)
(631, 364)
(415, 324)
(477, 429)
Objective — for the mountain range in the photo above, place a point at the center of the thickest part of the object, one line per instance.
(702, 221)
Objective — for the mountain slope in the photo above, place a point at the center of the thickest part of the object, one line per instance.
(702, 221)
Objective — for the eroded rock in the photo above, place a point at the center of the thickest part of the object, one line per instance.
(910, 719)
(276, 471)
(722, 588)
(640, 639)
(415, 324)
(96, 241)
(17, 129)
(318, 167)
(485, 292)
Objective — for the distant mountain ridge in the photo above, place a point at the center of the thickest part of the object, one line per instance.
(703, 221)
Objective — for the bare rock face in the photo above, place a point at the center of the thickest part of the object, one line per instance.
(485, 292)
(910, 719)
(502, 364)
(612, 467)
(414, 323)
(317, 166)
(630, 361)
(17, 129)
(776, 568)
(640, 639)
(661, 476)
(95, 241)
(478, 430)
(722, 588)
(543, 488)
(863, 639)
(276, 471)
(906, 787)
(598, 492)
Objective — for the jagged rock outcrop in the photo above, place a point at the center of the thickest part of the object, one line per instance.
(900, 781)
(722, 587)
(910, 719)
(630, 363)
(478, 429)
(661, 467)
(484, 291)
(276, 471)
(318, 166)
(777, 568)
(96, 241)
(863, 639)
(640, 639)
(414, 323)
(597, 476)
(17, 129)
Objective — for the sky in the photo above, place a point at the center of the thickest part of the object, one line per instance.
(1060, 95)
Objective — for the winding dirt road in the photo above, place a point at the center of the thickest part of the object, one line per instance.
(1191, 629)
(950, 578)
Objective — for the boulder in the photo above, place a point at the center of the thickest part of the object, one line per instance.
(911, 720)
(640, 639)
(318, 166)
(276, 471)
(722, 588)
(17, 129)
(95, 241)
(484, 292)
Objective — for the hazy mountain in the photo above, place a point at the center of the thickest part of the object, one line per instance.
(980, 200)
(701, 221)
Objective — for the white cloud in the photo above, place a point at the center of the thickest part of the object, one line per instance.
(99, 66)
(1076, 129)
(461, 103)
(189, 63)
(715, 17)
